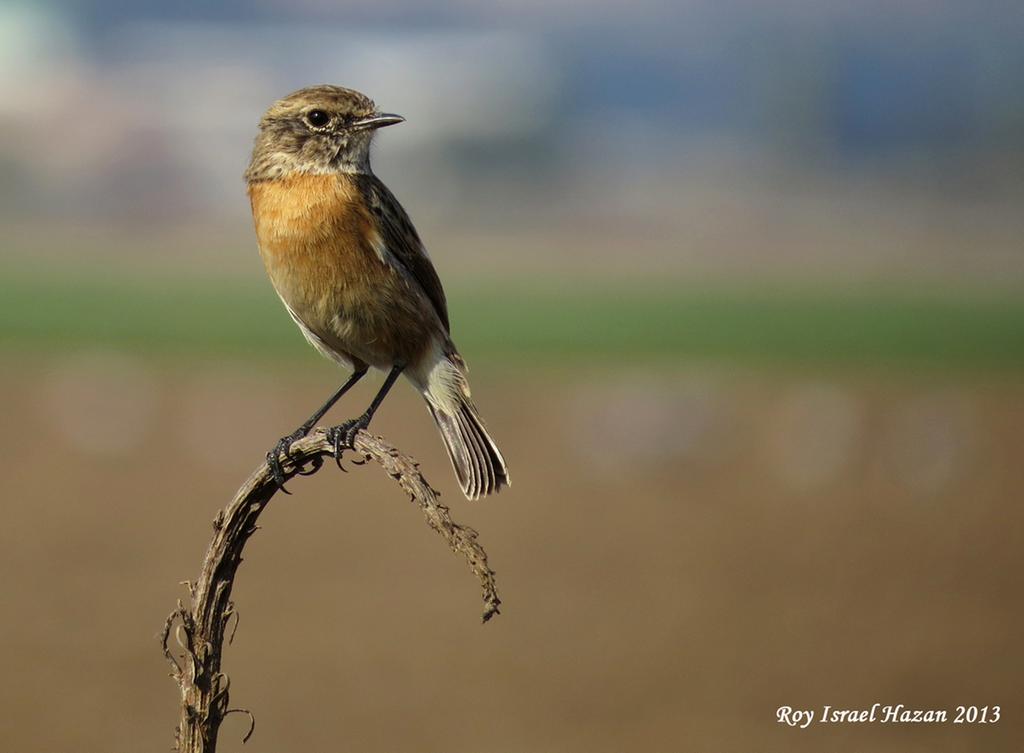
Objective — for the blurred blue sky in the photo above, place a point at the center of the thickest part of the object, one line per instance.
(869, 76)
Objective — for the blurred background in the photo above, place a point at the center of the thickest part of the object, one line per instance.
(740, 285)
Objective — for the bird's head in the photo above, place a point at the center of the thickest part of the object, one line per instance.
(317, 130)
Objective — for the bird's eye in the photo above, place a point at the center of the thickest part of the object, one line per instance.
(318, 118)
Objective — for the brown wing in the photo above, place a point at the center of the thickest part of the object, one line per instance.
(403, 242)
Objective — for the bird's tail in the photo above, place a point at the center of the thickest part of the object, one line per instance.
(477, 461)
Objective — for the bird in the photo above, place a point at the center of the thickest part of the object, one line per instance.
(351, 270)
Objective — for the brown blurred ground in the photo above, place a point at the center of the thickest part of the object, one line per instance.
(679, 555)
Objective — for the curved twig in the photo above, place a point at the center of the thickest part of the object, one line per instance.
(201, 626)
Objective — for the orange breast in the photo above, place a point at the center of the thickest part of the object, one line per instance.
(317, 240)
(313, 232)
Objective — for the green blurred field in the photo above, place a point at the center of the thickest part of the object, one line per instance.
(554, 322)
(726, 501)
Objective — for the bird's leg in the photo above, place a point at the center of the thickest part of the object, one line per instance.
(284, 444)
(343, 435)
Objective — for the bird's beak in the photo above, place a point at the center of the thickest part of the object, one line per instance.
(378, 120)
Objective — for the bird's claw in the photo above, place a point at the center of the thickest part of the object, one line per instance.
(283, 447)
(343, 436)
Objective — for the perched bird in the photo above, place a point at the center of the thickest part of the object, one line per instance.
(350, 268)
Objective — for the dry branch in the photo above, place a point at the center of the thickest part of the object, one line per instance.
(199, 627)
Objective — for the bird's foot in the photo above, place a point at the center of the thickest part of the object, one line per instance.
(343, 436)
(284, 447)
